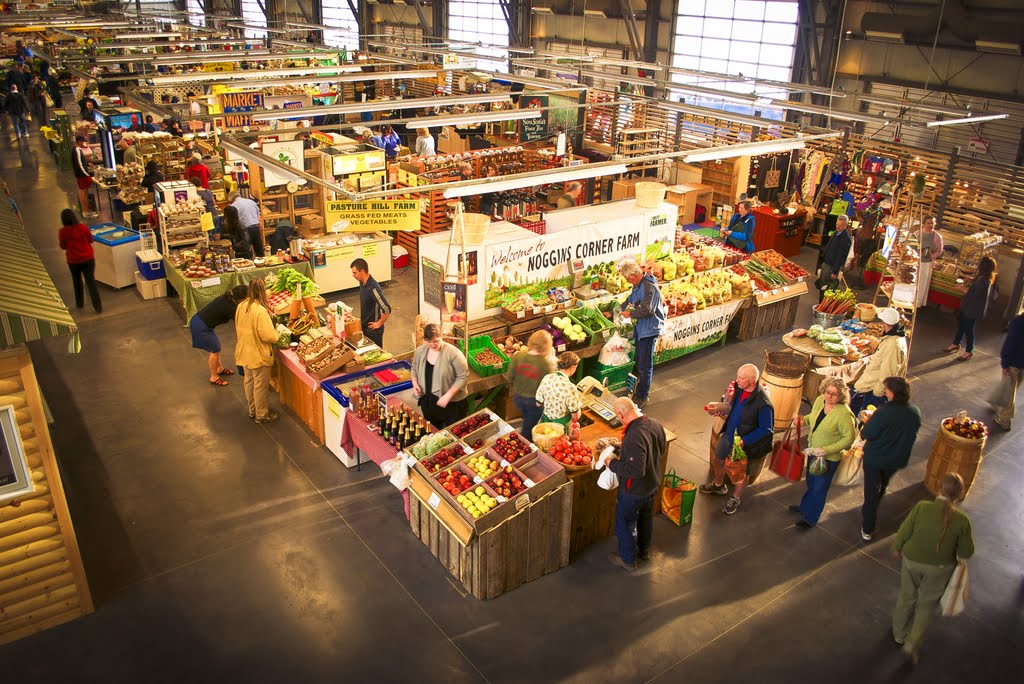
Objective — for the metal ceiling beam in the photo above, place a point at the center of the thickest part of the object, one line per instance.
(631, 28)
(510, 19)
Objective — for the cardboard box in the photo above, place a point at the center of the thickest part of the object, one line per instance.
(312, 222)
(356, 364)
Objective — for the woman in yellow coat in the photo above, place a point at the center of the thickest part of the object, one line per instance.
(254, 350)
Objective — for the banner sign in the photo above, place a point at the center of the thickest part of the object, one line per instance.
(543, 261)
(374, 215)
(534, 129)
(693, 331)
(232, 103)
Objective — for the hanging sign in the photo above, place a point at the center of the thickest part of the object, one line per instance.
(454, 309)
(454, 61)
(693, 331)
(374, 215)
(233, 103)
(534, 129)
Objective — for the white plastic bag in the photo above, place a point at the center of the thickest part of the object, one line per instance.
(398, 469)
(954, 599)
(608, 480)
(605, 456)
(615, 351)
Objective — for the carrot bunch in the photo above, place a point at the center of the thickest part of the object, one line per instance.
(837, 302)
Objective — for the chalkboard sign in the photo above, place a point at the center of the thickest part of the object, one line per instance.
(431, 273)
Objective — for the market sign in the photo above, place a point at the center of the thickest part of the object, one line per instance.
(693, 331)
(374, 215)
(534, 129)
(232, 103)
(357, 162)
(454, 61)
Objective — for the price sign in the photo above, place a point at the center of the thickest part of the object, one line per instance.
(528, 482)
(477, 479)
(434, 501)
(504, 463)
(523, 501)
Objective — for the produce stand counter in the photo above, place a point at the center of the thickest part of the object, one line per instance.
(196, 294)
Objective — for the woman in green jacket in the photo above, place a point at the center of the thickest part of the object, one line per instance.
(833, 429)
(932, 539)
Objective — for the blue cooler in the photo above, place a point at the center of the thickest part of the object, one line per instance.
(151, 264)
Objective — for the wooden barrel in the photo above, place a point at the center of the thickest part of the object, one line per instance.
(783, 375)
(953, 454)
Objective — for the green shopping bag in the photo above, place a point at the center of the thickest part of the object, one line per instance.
(677, 498)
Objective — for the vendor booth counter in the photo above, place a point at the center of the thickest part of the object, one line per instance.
(196, 294)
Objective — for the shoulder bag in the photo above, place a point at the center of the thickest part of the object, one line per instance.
(787, 457)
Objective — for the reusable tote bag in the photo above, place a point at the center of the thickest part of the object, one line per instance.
(954, 599)
(850, 469)
(787, 457)
(677, 498)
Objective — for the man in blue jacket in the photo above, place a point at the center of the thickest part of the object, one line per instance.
(752, 417)
(1012, 363)
(638, 465)
(648, 319)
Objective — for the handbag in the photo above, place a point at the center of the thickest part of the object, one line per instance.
(773, 177)
(677, 498)
(954, 599)
(787, 457)
(850, 469)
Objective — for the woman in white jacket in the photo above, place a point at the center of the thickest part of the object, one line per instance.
(890, 359)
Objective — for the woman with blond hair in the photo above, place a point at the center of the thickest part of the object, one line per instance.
(833, 427)
(525, 371)
(254, 349)
(932, 540)
(557, 393)
(424, 143)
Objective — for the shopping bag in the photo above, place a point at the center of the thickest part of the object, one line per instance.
(787, 458)
(773, 177)
(608, 480)
(677, 498)
(818, 465)
(954, 599)
(850, 468)
(839, 207)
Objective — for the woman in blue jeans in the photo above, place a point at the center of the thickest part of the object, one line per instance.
(525, 371)
(973, 307)
(832, 429)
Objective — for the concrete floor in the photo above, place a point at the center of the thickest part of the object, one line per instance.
(218, 549)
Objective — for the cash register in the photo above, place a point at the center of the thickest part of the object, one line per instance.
(599, 400)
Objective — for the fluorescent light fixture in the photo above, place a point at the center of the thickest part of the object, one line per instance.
(744, 149)
(543, 10)
(923, 106)
(147, 36)
(967, 120)
(834, 113)
(250, 75)
(595, 13)
(694, 110)
(884, 36)
(528, 180)
(380, 106)
(998, 48)
(474, 118)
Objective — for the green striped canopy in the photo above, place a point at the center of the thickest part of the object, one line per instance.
(30, 307)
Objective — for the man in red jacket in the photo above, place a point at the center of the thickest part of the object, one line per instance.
(638, 465)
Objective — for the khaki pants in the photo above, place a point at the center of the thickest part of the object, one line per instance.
(1004, 400)
(257, 393)
(921, 587)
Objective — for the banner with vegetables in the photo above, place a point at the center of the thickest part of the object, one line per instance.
(534, 265)
(693, 331)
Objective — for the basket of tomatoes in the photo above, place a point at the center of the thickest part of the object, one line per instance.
(574, 455)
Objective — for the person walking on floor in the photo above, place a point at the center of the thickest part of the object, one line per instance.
(1011, 359)
(751, 416)
(76, 241)
(933, 538)
(638, 464)
(648, 316)
(17, 109)
(202, 324)
(834, 258)
(890, 358)
(249, 219)
(374, 309)
(889, 435)
(526, 369)
(254, 349)
(973, 307)
(833, 429)
(740, 232)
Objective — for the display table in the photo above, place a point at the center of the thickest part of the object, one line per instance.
(299, 390)
(782, 232)
(356, 434)
(196, 294)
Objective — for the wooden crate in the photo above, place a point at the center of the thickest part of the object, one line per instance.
(492, 326)
(755, 321)
(525, 547)
(593, 512)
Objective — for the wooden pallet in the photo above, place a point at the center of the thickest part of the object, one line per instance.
(756, 321)
(527, 546)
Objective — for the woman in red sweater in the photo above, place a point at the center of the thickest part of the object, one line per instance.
(76, 241)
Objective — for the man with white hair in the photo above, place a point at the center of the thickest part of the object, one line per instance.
(638, 465)
(645, 310)
(835, 254)
(750, 416)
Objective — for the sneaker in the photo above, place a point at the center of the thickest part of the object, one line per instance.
(615, 559)
(866, 536)
(804, 524)
(271, 417)
(1005, 426)
(644, 556)
(731, 506)
(640, 403)
(712, 488)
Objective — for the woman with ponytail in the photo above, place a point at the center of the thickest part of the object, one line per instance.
(932, 539)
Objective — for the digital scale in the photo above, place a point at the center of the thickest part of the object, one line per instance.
(598, 399)
(362, 345)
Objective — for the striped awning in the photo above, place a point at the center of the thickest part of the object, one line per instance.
(30, 307)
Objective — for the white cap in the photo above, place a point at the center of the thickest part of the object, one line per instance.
(889, 316)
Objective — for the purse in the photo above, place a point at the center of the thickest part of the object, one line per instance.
(773, 177)
(787, 457)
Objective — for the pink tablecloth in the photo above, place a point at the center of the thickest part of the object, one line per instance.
(355, 434)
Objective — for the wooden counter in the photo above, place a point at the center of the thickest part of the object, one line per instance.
(781, 232)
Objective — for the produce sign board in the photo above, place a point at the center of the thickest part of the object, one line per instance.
(538, 264)
(690, 332)
(431, 276)
(374, 215)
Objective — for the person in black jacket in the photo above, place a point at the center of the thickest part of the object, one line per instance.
(836, 252)
(17, 108)
(218, 312)
(638, 465)
(973, 307)
(889, 435)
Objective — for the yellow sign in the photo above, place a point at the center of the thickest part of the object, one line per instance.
(370, 250)
(322, 137)
(219, 66)
(206, 221)
(359, 162)
(374, 215)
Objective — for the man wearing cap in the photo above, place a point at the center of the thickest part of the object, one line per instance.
(890, 359)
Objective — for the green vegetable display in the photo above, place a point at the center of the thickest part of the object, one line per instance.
(766, 273)
(288, 278)
(430, 445)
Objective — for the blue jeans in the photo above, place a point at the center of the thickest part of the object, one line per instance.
(644, 367)
(20, 126)
(813, 502)
(634, 524)
(530, 412)
(965, 328)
